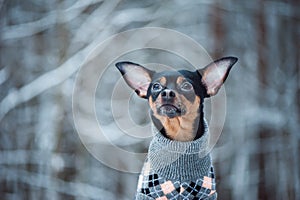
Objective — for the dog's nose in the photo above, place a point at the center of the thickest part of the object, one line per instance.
(168, 94)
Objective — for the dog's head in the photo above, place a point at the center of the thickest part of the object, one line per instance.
(176, 97)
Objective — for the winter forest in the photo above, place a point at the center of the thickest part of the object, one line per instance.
(70, 128)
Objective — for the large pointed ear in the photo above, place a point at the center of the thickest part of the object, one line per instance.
(136, 76)
(215, 74)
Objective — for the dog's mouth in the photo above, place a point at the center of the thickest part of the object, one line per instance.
(170, 110)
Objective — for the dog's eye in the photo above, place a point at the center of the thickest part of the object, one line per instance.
(156, 87)
(186, 86)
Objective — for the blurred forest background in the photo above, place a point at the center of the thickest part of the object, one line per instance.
(42, 42)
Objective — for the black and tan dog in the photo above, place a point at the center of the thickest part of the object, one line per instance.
(178, 165)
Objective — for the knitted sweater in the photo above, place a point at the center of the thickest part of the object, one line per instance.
(177, 170)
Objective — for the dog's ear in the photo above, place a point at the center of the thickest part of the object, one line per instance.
(215, 74)
(136, 76)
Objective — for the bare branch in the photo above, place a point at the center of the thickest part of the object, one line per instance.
(50, 79)
(3, 75)
(90, 28)
(31, 28)
(19, 157)
(46, 81)
(77, 189)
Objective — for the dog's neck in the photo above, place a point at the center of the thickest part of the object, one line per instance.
(182, 128)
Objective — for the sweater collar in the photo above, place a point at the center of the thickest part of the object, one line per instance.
(199, 146)
(180, 160)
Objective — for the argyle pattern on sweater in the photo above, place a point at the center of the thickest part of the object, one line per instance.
(159, 188)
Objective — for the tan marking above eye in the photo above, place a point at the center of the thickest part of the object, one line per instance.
(163, 81)
(180, 80)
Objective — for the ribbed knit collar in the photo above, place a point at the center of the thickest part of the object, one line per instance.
(177, 160)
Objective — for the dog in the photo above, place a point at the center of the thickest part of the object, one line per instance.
(178, 164)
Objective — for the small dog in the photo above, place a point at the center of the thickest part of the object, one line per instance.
(178, 165)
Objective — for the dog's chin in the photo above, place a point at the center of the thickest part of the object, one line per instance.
(169, 110)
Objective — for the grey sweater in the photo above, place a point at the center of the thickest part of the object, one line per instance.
(177, 170)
